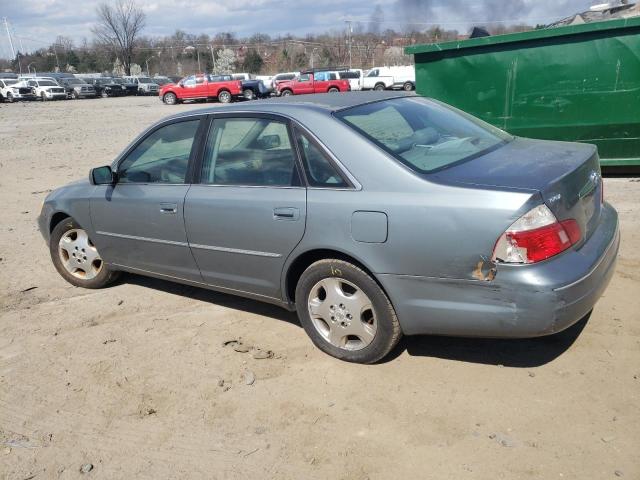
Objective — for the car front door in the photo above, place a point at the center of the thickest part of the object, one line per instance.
(248, 211)
(139, 221)
(304, 84)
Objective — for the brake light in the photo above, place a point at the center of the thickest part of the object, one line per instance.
(536, 236)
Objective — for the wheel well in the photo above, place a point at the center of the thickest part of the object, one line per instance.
(223, 90)
(56, 219)
(301, 263)
(380, 83)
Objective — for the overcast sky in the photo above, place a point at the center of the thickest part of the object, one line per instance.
(37, 22)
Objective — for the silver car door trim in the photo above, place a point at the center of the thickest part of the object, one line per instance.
(237, 250)
(143, 239)
(184, 244)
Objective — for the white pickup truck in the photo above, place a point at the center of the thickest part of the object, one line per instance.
(386, 78)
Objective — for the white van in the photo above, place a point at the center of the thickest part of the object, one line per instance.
(384, 78)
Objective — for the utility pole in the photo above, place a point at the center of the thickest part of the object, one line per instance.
(350, 31)
(213, 59)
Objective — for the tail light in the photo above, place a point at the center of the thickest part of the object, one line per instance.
(536, 236)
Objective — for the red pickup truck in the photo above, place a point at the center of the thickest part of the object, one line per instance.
(201, 86)
(313, 82)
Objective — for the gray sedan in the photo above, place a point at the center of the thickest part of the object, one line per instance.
(372, 215)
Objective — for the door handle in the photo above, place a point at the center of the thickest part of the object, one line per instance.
(170, 208)
(286, 213)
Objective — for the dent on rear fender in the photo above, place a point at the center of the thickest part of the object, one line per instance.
(486, 270)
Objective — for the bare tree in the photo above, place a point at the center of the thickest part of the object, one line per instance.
(119, 26)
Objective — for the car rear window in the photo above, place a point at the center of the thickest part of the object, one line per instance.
(424, 134)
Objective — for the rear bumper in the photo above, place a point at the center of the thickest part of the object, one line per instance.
(521, 301)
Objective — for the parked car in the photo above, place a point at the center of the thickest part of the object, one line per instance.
(385, 78)
(162, 80)
(106, 87)
(145, 85)
(243, 76)
(252, 89)
(282, 77)
(313, 82)
(46, 88)
(354, 76)
(12, 90)
(201, 87)
(77, 88)
(130, 87)
(372, 216)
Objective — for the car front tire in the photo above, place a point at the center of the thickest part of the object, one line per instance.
(407, 87)
(345, 312)
(379, 87)
(76, 258)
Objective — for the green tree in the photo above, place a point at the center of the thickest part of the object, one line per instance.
(252, 61)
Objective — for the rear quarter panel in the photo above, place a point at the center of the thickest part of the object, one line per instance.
(434, 230)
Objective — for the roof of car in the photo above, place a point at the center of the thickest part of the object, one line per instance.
(323, 102)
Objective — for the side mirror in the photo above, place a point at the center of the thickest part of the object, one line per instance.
(102, 176)
(181, 84)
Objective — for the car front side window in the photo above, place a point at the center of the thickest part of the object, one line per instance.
(249, 151)
(162, 157)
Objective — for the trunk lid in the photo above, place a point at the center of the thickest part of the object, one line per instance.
(567, 175)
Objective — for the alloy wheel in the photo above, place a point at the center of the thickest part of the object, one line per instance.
(78, 254)
(342, 313)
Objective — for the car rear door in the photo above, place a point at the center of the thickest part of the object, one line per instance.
(248, 211)
(139, 221)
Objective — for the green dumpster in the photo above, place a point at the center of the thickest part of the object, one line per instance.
(574, 83)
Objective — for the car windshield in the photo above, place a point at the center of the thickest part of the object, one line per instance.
(47, 83)
(75, 81)
(144, 80)
(424, 134)
(10, 82)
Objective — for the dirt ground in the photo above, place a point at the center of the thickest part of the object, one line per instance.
(135, 379)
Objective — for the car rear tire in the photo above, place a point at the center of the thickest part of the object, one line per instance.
(224, 97)
(76, 258)
(379, 87)
(345, 312)
(170, 98)
(248, 94)
(333, 90)
(407, 87)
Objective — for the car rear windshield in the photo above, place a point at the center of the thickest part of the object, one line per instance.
(424, 134)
